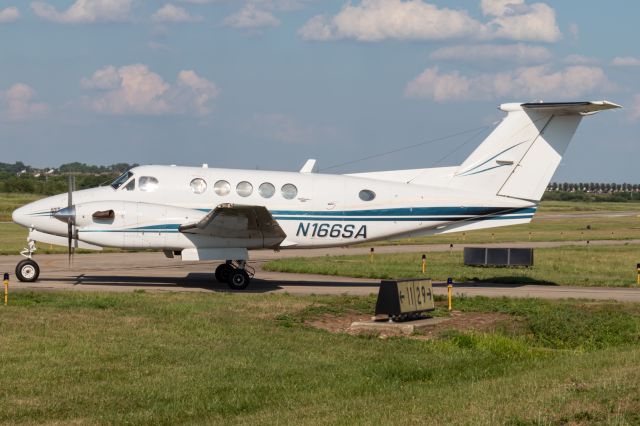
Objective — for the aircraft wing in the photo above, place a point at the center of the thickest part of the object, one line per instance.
(238, 222)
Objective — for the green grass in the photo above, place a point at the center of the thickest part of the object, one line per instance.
(570, 265)
(140, 358)
(9, 202)
(586, 207)
(542, 229)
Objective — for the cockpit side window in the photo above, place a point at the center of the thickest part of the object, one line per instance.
(121, 180)
(147, 183)
(131, 185)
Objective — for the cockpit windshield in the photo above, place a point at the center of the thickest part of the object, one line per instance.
(121, 180)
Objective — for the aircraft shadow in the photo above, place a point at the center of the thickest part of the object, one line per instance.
(207, 281)
(195, 280)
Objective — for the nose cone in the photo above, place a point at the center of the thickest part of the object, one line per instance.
(21, 216)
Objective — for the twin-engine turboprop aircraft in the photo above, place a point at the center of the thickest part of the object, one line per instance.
(220, 214)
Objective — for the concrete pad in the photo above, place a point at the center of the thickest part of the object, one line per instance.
(405, 327)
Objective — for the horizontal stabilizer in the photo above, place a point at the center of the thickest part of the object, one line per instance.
(562, 108)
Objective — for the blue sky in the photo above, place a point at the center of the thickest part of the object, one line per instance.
(269, 83)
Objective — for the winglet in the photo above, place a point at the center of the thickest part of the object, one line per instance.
(309, 166)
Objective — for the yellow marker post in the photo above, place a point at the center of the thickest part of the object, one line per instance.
(424, 263)
(638, 267)
(371, 255)
(6, 289)
(450, 292)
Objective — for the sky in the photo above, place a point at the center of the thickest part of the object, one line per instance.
(266, 84)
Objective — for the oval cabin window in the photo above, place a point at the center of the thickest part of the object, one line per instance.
(198, 186)
(367, 195)
(244, 189)
(289, 191)
(266, 190)
(222, 187)
(148, 183)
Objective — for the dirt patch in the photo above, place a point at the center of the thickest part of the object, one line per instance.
(337, 324)
(482, 322)
(479, 322)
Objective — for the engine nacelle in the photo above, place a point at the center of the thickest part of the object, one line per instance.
(130, 224)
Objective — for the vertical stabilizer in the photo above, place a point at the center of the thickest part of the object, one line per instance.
(519, 158)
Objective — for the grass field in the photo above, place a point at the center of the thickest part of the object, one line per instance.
(139, 358)
(570, 265)
(10, 202)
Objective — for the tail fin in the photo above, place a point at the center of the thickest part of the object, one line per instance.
(519, 158)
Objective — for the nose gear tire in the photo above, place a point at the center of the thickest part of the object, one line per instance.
(27, 271)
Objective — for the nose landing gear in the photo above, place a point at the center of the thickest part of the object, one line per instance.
(237, 276)
(28, 270)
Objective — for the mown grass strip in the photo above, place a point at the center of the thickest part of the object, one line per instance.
(220, 358)
(571, 265)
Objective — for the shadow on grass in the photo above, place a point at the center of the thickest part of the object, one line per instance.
(504, 282)
(195, 280)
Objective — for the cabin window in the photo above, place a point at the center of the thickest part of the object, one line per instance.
(267, 190)
(367, 195)
(147, 183)
(289, 191)
(244, 189)
(222, 187)
(198, 186)
(121, 180)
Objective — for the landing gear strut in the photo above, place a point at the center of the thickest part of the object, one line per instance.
(28, 270)
(237, 276)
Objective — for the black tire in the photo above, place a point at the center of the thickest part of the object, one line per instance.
(27, 271)
(238, 280)
(222, 272)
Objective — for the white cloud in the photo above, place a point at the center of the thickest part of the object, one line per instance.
(515, 20)
(580, 60)
(375, 20)
(520, 53)
(85, 11)
(134, 89)
(250, 16)
(530, 83)
(9, 14)
(171, 13)
(18, 103)
(626, 61)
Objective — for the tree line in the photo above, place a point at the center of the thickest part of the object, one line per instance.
(19, 177)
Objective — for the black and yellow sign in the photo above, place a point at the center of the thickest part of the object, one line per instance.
(404, 297)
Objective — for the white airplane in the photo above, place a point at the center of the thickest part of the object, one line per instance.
(203, 214)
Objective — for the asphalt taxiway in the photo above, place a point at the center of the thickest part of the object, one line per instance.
(124, 272)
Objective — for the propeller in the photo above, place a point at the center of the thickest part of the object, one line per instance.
(71, 218)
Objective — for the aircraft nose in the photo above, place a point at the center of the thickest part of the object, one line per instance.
(21, 216)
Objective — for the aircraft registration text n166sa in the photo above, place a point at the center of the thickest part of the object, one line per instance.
(202, 213)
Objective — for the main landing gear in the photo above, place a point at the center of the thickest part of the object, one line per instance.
(28, 270)
(237, 276)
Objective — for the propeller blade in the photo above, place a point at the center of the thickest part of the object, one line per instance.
(70, 230)
(70, 191)
(69, 238)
